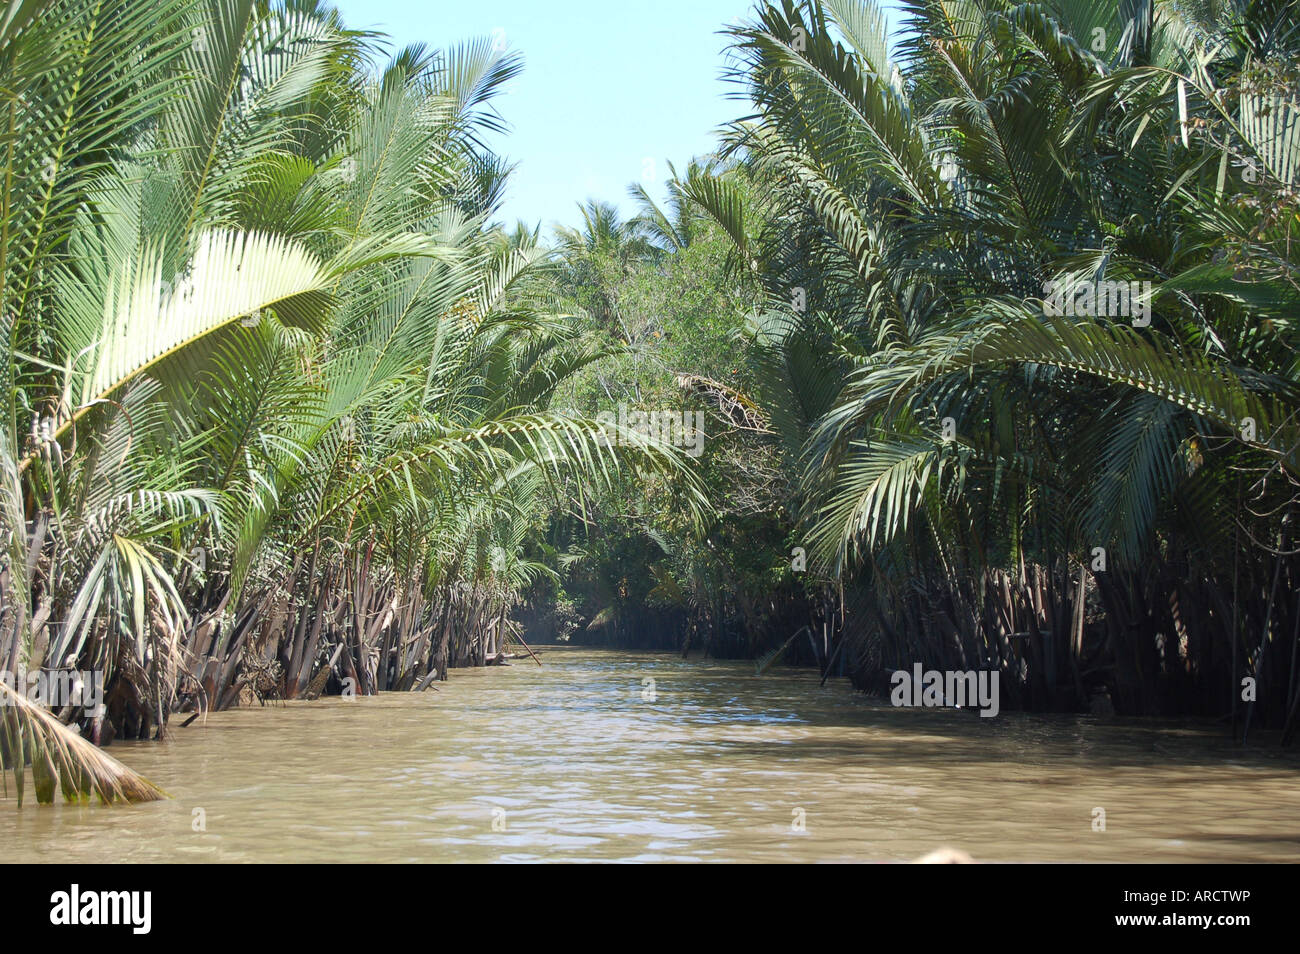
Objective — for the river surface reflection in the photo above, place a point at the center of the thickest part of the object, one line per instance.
(579, 760)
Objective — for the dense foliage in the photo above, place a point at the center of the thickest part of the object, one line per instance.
(276, 396)
(1027, 347)
(1089, 499)
(975, 349)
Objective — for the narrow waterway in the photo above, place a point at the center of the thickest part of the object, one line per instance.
(585, 759)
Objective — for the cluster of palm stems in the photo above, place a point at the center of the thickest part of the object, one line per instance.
(273, 393)
(1097, 501)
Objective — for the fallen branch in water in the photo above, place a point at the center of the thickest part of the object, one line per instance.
(58, 754)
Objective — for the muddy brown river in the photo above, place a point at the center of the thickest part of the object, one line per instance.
(584, 759)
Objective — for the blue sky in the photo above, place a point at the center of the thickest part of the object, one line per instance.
(611, 89)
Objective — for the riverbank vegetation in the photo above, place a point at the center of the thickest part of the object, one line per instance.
(277, 395)
(287, 411)
(1096, 501)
